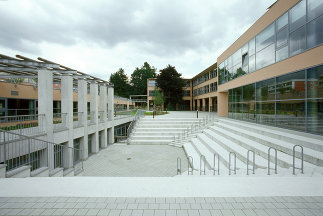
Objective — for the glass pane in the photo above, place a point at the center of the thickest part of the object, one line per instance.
(315, 116)
(315, 8)
(291, 86)
(297, 41)
(315, 82)
(265, 57)
(249, 92)
(297, 15)
(252, 46)
(265, 38)
(244, 49)
(282, 21)
(315, 32)
(237, 94)
(2, 103)
(291, 114)
(265, 90)
(236, 58)
(282, 37)
(282, 54)
(252, 62)
(221, 73)
(266, 112)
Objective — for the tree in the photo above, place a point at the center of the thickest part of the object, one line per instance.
(158, 99)
(139, 78)
(121, 83)
(171, 83)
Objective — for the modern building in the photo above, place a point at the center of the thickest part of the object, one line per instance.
(273, 73)
(63, 117)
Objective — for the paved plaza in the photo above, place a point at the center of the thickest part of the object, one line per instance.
(160, 206)
(135, 160)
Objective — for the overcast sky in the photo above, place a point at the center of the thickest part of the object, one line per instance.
(100, 36)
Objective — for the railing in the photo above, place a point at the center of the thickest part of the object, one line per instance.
(78, 119)
(190, 164)
(124, 113)
(18, 150)
(214, 170)
(269, 150)
(139, 114)
(235, 163)
(110, 115)
(101, 116)
(302, 159)
(91, 118)
(23, 124)
(253, 161)
(193, 129)
(59, 121)
(179, 166)
(202, 165)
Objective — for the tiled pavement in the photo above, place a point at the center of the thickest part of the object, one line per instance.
(225, 206)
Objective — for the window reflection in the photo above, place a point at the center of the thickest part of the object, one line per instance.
(297, 15)
(315, 32)
(297, 41)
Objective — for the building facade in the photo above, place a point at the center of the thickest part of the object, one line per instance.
(273, 73)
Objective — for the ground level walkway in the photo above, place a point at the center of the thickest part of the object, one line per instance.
(135, 160)
(243, 196)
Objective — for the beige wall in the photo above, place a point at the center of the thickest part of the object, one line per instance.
(278, 9)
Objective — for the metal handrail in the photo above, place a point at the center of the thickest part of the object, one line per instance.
(302, 159)
(269, 150)
(235, 163)
(179, 166)
(33, 149)
(214, 170)
(202, 171)
(190, 165)
(139, 114)
(253, 161)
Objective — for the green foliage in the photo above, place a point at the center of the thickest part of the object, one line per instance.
(121, 84)
(158, 98)
(139, 78)
(171, 83)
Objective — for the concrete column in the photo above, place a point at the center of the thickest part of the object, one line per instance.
(67, 107)
(127, 105)
(223, 104)
(103, 107)
(191, 105)
(94, 113)
(82, 107)
(210, 104)
(194, 105)
(110, 113)
(203, 104)
(45, 107)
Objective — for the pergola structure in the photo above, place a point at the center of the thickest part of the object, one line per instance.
(23, 67)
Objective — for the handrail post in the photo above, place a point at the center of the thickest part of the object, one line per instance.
(235, 163)
(269, 150)
(29, 150)
(202, 171)
(218, 170)
(4, 148)
(197, 113)
(302, 159)
(253, 162)
(179, 166)
(190, 166)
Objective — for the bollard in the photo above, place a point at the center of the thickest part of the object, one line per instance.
(197, 113)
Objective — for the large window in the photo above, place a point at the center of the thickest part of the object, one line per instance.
(293, 101)
(292, 33)
(152, 83)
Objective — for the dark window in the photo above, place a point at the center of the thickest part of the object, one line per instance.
(315, 8)
(297, 15)
(297, 41)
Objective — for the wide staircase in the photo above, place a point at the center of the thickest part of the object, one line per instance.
(237, 147)
(160, 131)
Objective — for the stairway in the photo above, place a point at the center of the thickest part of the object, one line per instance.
(159, 131)
(227, 135)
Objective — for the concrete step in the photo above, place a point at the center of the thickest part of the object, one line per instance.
(214, 147)
(310, 155)
(3, 170)
(155, 133)
(149, 142)
(312, 141)
(241, 152)
(177, 130)
(283, 160)
(168, 122)
(20, 172)
(168, 119)
(191, 152)
(162, 126)
(136, 137)
(41, 172)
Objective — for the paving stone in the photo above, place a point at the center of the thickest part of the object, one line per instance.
(125, 212)
(81, 212)
(70, 211)
(148, 213)
(216, 213)
(204, 212)
(185, 206)
(160, 212)
(153, 206)
(238, 212)
(104, 212)
(170, 200)
(171, 213)
(137, 212)
(182, 213)
(227, 212)
(93, 212)
(261, 212)
(59, 211)
(249, 212)
(114, 212)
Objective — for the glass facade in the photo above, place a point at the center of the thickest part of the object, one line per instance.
(294, 32)
(293, 101)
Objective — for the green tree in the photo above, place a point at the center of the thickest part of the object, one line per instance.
(158, 99)
(121, 83)
(171, 83)
(139, 78)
